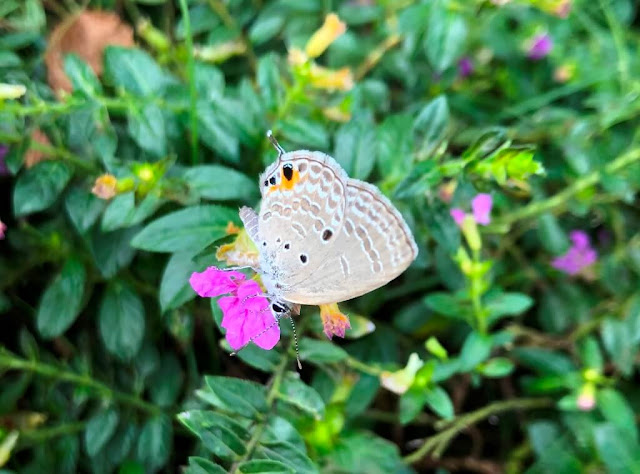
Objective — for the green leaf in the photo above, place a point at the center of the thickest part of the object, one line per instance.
(394, 142)
(411, 404)
(430, 125)
(295, 392)
(82, 77)
(264, 467)
(215, 133)
(363, 393)
(446, 304)
(62, 300)
(310, 135)
(118, 212)
(619, 344)
(111, 250)
(37, 188)
(475, 350)
(497, 367)
(288, 454)
(147, 128)
(236, 395)
(545, 361)
(434, 347)
(203, 466)
(590, 354)
(198, 421)
(619, 451)
(175, 289)
(100, 429)
(445, 38)
(220, 183)
(355, 148)
(268, 24)
(551, 235)
(317, 351)
(165, 383)
(499, 305)
(121, 320)
(269, 82)
(190, 229)
(363, 452)
(438, 400)
(616, 409)
(422, 179)
(154, 443)
(135, 71)
(83, 208)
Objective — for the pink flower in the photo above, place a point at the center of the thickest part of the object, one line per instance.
(4, 170)
(480, 205)
(3, 228)
(579, 256)
(540, 46)
(246, 313)
(586, 400)
(458, 215)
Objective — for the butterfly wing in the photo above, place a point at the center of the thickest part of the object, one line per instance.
(374, 246)
(304, 196)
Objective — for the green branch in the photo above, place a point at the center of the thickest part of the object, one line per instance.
(193, 95)
(559, 200)
(436, 444)
(12, 362)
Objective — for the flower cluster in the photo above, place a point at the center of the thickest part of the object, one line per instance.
(246, 314)
(481, 207)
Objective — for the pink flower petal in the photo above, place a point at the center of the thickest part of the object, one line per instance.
(481, 206)
(215, 282)
(458, 215)
(580, 239)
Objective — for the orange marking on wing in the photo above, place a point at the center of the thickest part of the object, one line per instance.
(287, 184)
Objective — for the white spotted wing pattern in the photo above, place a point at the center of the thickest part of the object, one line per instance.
(322, 236)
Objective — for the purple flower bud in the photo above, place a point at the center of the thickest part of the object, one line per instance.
(465, 67)
(540, 46)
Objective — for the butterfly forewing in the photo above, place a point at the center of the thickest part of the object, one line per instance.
(302, 211)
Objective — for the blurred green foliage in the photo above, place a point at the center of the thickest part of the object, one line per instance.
(484, 357)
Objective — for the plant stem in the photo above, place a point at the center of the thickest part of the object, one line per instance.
(618, 39)
(271, 398)
(11, 361)
(476, 294)
(539, 207)
(376, 55)
(193, 96)
(436, 444)
(362, 367)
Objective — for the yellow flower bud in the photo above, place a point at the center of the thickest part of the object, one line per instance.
(323, 37)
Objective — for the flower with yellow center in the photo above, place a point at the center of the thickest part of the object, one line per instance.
(323, 37)
(105, 186)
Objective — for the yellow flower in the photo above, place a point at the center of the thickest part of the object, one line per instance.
(12, 91)
(323, 78)
(333, 321)
(241, 252)
(296, 57)
(323, 37)
(400, 381)
(336, 114)
(105, 186)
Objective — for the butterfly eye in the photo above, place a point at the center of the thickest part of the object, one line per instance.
(287, 171)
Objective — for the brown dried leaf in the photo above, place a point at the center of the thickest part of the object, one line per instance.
(86, 34)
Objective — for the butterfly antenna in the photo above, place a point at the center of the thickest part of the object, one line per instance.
(275, 143)
(295, 342)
